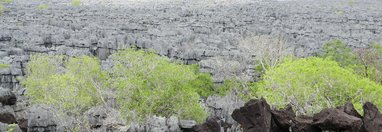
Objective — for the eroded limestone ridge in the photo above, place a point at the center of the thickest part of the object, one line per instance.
(204, 32)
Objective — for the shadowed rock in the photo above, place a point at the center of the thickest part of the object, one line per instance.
(284, 117)
(7, 115)
(7, 97)
(211, 125)
(349, 109)
(372, 119)
(337, 120)
(23, 124)
(304, 124)
(254, 116)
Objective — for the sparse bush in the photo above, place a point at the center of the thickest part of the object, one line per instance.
(225, 68)
(267, 50)
(152, 85)
(371, 59)
(311, 84)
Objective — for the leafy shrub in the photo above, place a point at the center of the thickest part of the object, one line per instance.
(311, 84)
(72, 85)
(338, 51)
(12, 128)
(152, 85)
(364, 61)
(242, 88)
(76, 2)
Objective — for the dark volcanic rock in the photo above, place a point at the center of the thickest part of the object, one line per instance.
(372, 119)
(7, 115)
(304, 124)
(284, 118)
(349, 109)
(23, 124)
(211, 125)
(254, 116)
(7, 97)
(337, 120)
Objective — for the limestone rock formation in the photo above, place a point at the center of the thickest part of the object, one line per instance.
(42, 118)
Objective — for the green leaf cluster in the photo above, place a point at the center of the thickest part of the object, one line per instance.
(338, 51)
(76, 2)
(72, 85)
(152, 85)
(12, 128)
(364, 61)
(144, 83)
(311, 84)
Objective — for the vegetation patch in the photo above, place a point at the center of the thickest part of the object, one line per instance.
(311, 84)
(144, 83)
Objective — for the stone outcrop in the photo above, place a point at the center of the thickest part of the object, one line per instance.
(337, 120)
(42, 118)
(372, 119)
(211, 125)
(254, 116)
(196, 32)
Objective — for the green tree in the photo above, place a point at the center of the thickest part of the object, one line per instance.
(149, 84)
(371, 58)
(338, 51)
(364, 61)
(311, 84)
(72, 85)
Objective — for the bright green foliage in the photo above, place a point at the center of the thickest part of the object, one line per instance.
(12, 128)
(311, 84)
(76, 2)
(2, 66)
(70, 84)
(364, 61)
(244, 89)
(7, 1)
(153, 85)
(338, 51)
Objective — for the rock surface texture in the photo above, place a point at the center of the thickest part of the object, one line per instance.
(205, 32)
(199, 31)
(254, 116)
